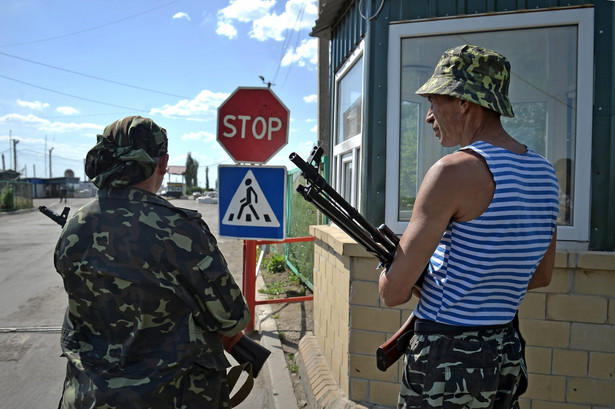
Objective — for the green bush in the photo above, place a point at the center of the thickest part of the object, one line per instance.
(276, 263)
(6, 198)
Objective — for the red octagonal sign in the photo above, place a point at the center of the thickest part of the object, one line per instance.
(252, 125)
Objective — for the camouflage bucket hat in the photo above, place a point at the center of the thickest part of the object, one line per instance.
(473, 74)
(124, 154)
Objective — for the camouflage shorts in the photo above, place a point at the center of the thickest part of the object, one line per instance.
(479, 369)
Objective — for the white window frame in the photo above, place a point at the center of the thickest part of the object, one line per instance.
(352, 145)
(583, 18)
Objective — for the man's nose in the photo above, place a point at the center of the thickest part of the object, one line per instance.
(429, 118)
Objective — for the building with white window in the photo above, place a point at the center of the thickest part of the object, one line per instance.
(374, 54)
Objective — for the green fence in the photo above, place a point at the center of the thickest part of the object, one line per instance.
(300, 215)
(15, 195)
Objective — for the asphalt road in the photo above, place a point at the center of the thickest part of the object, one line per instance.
(32, 303)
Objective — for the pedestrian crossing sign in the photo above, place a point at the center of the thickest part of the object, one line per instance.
(251, 202)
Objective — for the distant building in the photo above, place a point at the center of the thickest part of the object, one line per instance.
(176, 184)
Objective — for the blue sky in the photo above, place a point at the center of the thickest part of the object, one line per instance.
(68, 68)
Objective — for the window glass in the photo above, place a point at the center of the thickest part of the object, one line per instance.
(542, 91)
(348, 128)
(408, 157)
(347, 176)
(350, 100)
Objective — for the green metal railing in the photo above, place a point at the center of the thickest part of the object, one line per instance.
(300, 215)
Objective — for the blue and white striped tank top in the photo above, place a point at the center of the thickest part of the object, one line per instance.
(479, 273)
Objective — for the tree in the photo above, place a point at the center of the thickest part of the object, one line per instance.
(207, 178)
(192, 168)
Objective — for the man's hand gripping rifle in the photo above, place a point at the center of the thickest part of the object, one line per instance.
(242, 348)
(381, 241)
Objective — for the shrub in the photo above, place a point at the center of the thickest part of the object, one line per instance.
(276, 263)
(6, 198)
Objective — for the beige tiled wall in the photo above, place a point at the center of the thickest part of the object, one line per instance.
(569, 327)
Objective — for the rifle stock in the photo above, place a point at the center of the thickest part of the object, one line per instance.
(58, 218)
(393, 349)
(380, 242)
(244, 349)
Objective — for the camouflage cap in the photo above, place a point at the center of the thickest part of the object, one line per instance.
(473, 74)
(123, 154)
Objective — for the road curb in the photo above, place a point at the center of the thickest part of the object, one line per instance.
(277, 377)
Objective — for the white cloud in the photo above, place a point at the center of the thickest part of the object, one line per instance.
(266, 24)
(203, 107)
(67, 110)
(200, 136)
(243, 11)
(22, 119)
(48, 126)
(297, 15)
(307, 52)
(35, 105)
(64, 127)
(226, 29)
(310, 98)
(268, 27)
(246, 10)
(314, 129)
(181, 15)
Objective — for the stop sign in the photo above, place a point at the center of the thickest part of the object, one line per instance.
(252, 125)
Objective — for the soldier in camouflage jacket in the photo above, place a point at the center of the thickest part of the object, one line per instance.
(149, 292)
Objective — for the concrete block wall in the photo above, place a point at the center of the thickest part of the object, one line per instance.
(569, 327)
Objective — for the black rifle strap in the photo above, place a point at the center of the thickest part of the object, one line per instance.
(233, 376)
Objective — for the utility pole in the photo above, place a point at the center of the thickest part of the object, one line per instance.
(50, 162)
(10, 145)
(15, 142)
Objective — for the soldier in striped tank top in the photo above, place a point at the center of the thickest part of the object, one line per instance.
(484, 224)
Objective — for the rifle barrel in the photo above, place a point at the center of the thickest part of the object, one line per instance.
(317, 182)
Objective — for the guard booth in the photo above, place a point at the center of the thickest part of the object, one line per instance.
(176, 186)
(373, 55)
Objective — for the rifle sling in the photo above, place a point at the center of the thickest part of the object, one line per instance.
(233, 376)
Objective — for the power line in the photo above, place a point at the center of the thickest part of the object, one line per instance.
(288, 37)
(91, 28)
(80, 115)
(93, 76)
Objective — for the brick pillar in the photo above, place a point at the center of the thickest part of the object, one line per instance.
(349, 320)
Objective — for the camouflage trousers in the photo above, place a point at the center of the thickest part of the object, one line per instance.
(198, 388)
(477, 369)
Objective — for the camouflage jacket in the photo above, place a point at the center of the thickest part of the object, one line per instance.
(148, 295)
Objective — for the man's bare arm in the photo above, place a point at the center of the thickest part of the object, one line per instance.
(458, 187)
(542, 275)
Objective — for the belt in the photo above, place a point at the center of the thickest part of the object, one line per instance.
(431, 327)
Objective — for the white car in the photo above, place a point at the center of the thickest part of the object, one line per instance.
(208, 198)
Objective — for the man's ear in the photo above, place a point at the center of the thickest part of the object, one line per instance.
(163, 161)
(465, 106)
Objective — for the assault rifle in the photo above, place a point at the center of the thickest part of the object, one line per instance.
(250, 355)
(380, 242)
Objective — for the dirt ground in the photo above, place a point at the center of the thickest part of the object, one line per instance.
(293, 319)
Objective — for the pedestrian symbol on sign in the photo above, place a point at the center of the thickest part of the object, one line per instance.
(249, 206)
